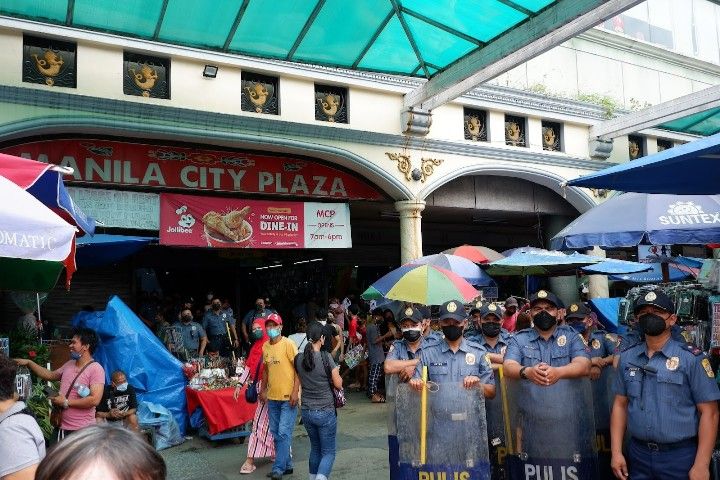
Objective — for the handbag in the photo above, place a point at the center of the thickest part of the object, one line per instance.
(56, 414)
(251, 393)
(338, 393)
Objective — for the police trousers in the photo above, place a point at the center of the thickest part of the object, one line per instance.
(650, 464)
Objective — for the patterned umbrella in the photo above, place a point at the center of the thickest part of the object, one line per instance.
(423, 284)
(459, 265)
(475, 253)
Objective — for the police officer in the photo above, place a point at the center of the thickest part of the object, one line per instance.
(215, 321)
(404, 354)
(193, 336)
(492, 336)
(455, 359)
(601, 343)
(428, 332)
(473, 329)
(666, 397)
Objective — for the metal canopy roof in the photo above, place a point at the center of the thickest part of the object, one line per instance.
(423, 38)
(704, 123)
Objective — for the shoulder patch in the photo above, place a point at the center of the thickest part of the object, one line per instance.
(392, 347)
(708, 369)
(693, 349)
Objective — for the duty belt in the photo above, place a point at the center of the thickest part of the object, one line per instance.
(664, 447)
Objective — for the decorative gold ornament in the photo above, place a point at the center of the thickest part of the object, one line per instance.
(49, 65)
(574, 308)
(475, 127)
(145, 79)
(550, 141)
(513, 134)
(427, 166)
(330, 105)
(634, 150)
(542, 294)
(258, 95)
(452, 307)
(408, 311)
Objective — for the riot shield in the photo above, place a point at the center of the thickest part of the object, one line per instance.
(456, 434)
(552, 430)
(603, 395)
(391, 384)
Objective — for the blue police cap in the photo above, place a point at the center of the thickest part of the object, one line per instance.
(454, 309)
(577, 310)
(657, 298)
(490, 309)
(476, 307)
(547, 296)
(424, 311)
(409, 313)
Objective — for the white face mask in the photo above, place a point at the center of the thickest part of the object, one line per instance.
(322, 322)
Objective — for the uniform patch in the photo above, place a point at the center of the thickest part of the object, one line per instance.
(562, 340)
(451, 307)
(408, 311)
(596, 344)
(502, 350)
(574, 308)
(392, 347)
(470, 358)
(492, 307)
(672, 363)
(708, 369)
(542, 294)
(478, 304)
(650, 296)
(487, 359)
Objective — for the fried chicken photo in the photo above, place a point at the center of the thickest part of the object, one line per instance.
(215, 224)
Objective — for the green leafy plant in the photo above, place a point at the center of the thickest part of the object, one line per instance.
(607, 103)
(24, 343)
(38, 403)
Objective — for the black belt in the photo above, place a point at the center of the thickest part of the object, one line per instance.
(664, 447)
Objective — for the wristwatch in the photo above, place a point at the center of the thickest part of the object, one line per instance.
(522, 373)
(66, 405)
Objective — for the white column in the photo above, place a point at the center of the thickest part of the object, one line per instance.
(410, 229)
(598, 284)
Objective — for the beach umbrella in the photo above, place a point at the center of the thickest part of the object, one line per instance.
(654, 275)
(459, 265)
(35, 243)
(423, 284)
(475, 253)
(540, 262)
(44, 181)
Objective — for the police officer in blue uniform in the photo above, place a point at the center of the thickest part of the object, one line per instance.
(666, 399)
(428, 333)
(601, 343)
(193, 336)
(404, 354)
(216, 323)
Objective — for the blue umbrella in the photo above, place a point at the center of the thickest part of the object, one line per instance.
(692, 168)
(539, 262)
(459, 265)
(104, 249)
(653, 276)
(634, 218)
(615, 267)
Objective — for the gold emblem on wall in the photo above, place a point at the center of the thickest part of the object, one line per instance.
(330, 105)
(48, 62)
(515, 131)
(475, 128)
(49, 66)
(551, 142)
(404, 165)
(258, 95)
(634, 150)
(144, 79)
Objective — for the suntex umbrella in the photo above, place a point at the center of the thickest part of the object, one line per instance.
(424, 284)
(459, 265)
(35, 243)
(475, 253)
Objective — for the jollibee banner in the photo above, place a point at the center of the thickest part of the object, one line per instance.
(187, 220)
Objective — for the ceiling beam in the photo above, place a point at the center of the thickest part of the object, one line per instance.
(551, 27)
(658, 114)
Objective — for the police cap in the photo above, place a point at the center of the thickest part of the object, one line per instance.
(453, 309)
(547, 296)
(657, 298)
(476, 307)
(409, 313)
(490, 309)
(424, 311)
(577, 310)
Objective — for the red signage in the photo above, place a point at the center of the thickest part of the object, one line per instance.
(98, 161)
(216, 222)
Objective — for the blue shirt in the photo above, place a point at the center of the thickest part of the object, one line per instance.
(662, 403)
(399, 349)
(253, 314)
(528, 348)
(500, 346)
(446, 366)
(214, 323)
(192, 332)
(633, 337)
(602, 344)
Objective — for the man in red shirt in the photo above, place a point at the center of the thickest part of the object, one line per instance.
(510, 315)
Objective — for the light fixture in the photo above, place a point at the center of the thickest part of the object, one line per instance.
(210, 71)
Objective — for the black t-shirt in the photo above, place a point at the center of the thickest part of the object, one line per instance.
(112, 398)
(329, 332)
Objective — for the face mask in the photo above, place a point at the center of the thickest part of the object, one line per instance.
(216, 307)
(273, 333)
(412, 334)
(75, 355)
(544, 321)
(257, 334)
(187, 318)
(122, 387)
(651, 325)
(452, 332)
(490, 329)
(579, 327)
(258, 307)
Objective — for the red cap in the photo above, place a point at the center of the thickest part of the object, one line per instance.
(275, 318)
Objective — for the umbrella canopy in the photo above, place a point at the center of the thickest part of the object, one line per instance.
(540, 262)
(44, 182)
(104, 249)
(35, 243)
(615, 267)
(424, 284)
(526, 249)
(692, 168)
(653, 275)
(475, 253)
(459, 265)
(688, 265)
(633, 218)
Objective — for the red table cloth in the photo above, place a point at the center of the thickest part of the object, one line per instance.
(221, 410)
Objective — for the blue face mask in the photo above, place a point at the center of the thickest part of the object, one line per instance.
(579, 327)
(122, 387)
(75, 355)
(273, 333)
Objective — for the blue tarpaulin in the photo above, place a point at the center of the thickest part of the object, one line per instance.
(607, 312)
(103, 249)
(126, 344)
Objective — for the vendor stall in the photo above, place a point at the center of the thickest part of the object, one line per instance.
(224, 415)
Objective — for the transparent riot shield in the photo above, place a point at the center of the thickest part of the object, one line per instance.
(456, 434)
(391, 384)
(603, 396)
(552, 430)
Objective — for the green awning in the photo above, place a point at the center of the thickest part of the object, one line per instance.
(409, 37)
(703, 123)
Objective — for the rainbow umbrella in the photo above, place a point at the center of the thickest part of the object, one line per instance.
(457, 264)
(423, 284)
(475, 253)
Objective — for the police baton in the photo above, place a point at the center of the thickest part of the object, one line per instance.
(232, 349)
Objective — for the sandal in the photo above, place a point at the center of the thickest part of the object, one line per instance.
(377, 399)
(247, 468)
